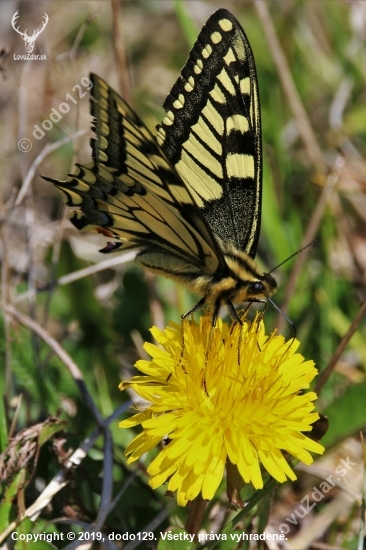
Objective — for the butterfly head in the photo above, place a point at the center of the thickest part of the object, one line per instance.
(262, 288)
(244, 279)
(252, 289)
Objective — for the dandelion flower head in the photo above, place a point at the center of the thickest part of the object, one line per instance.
(241, 402)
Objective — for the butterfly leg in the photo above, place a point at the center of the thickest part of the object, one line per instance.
(233, 313)
(184, 317)
(238, 318)
(194, 308)
(262, 313)
(214, 317)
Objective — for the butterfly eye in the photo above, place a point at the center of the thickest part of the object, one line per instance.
(256, 288)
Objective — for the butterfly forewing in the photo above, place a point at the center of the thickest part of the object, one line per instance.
(188, 201)
(212, 131)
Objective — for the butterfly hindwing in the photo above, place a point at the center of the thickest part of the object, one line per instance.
(212, 131)
(130, 192)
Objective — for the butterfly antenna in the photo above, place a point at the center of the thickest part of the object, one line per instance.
(292, 255)
(282, 313)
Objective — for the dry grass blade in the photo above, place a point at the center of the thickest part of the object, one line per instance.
(109, 263)
(62, 355)
(119, 51)
(310, 235)
(290, 89)
(49, 148)
(325, 374)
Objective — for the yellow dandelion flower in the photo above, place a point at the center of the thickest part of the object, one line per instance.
(242, 403)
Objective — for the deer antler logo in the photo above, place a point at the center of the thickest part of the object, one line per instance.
(29, 40)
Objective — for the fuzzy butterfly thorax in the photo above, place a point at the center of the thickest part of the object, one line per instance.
(189, 200)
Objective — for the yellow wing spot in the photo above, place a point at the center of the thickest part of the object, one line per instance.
(102, 84)
(189, 85)
(237, 122)
(198, 66)
(179, 103)
(160, 136)
(216, 37)
(110, 169)
(81, 186)
(170, 115)
(224, 78)
(104, 92)
(226, 25)
(74, 198)
(245, 85)
(240, 166)
(104, 173)
(167, 121)
(239, 46)
(127, 180)
(88, 166)
(229, 57)
(102, 157)
(218, 95)
(102, 104)
(207, 50)
(104, 128)
(103, 117)
(103, 142)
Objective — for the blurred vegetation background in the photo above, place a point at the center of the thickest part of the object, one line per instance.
(311, 64)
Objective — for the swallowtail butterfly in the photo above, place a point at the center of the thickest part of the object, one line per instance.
(189, 199)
